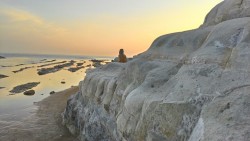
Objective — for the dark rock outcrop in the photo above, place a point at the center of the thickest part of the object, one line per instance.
(24, 87)
(3, 76)
(29, 92)
(52, 92)
(56, 68)
(74, 69)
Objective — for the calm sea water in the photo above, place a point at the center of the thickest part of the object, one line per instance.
(16, 107)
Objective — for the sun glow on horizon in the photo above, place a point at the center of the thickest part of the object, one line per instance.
(23, 30)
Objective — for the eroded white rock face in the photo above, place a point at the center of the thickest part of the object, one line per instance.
(227, 10)
(189, 86)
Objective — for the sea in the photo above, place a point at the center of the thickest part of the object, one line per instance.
(23, 68)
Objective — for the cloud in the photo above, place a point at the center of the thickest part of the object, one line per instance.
(21, 30)
(14, 18)
(15, 15)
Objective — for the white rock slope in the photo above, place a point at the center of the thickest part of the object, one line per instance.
(189, 86)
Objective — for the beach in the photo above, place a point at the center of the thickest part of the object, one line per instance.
(43, 124)
(33, 95)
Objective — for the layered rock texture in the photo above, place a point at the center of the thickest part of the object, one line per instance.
(188, 86)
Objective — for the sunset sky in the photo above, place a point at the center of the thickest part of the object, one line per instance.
(94, 27)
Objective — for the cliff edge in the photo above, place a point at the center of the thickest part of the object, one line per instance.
(188, 86)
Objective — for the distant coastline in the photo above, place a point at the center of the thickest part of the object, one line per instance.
(52, 56)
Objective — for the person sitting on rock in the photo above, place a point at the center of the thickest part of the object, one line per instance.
(122, 57)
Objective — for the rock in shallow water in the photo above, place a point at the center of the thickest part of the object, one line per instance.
(56, 68)
(24, 87)
(29, 92)
(52, 92)
(3, 76)
(74, 69)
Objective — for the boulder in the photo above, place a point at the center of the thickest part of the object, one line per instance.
(52, 92)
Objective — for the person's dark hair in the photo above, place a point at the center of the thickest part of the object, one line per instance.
(121, 51)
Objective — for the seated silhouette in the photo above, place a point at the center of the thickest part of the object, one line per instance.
(122, 57)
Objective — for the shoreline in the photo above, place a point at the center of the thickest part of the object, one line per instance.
(52, 107)
(37, 117)
(45, 123)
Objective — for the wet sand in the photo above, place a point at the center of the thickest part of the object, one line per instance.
(45, 124)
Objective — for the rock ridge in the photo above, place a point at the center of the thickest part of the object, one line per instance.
(227, 10)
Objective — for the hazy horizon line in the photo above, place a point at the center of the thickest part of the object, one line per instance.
(8, 54)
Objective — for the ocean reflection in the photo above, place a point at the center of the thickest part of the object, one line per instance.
(17, 111)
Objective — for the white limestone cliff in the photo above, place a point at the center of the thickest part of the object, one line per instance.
(227, 10)
(188, 86)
